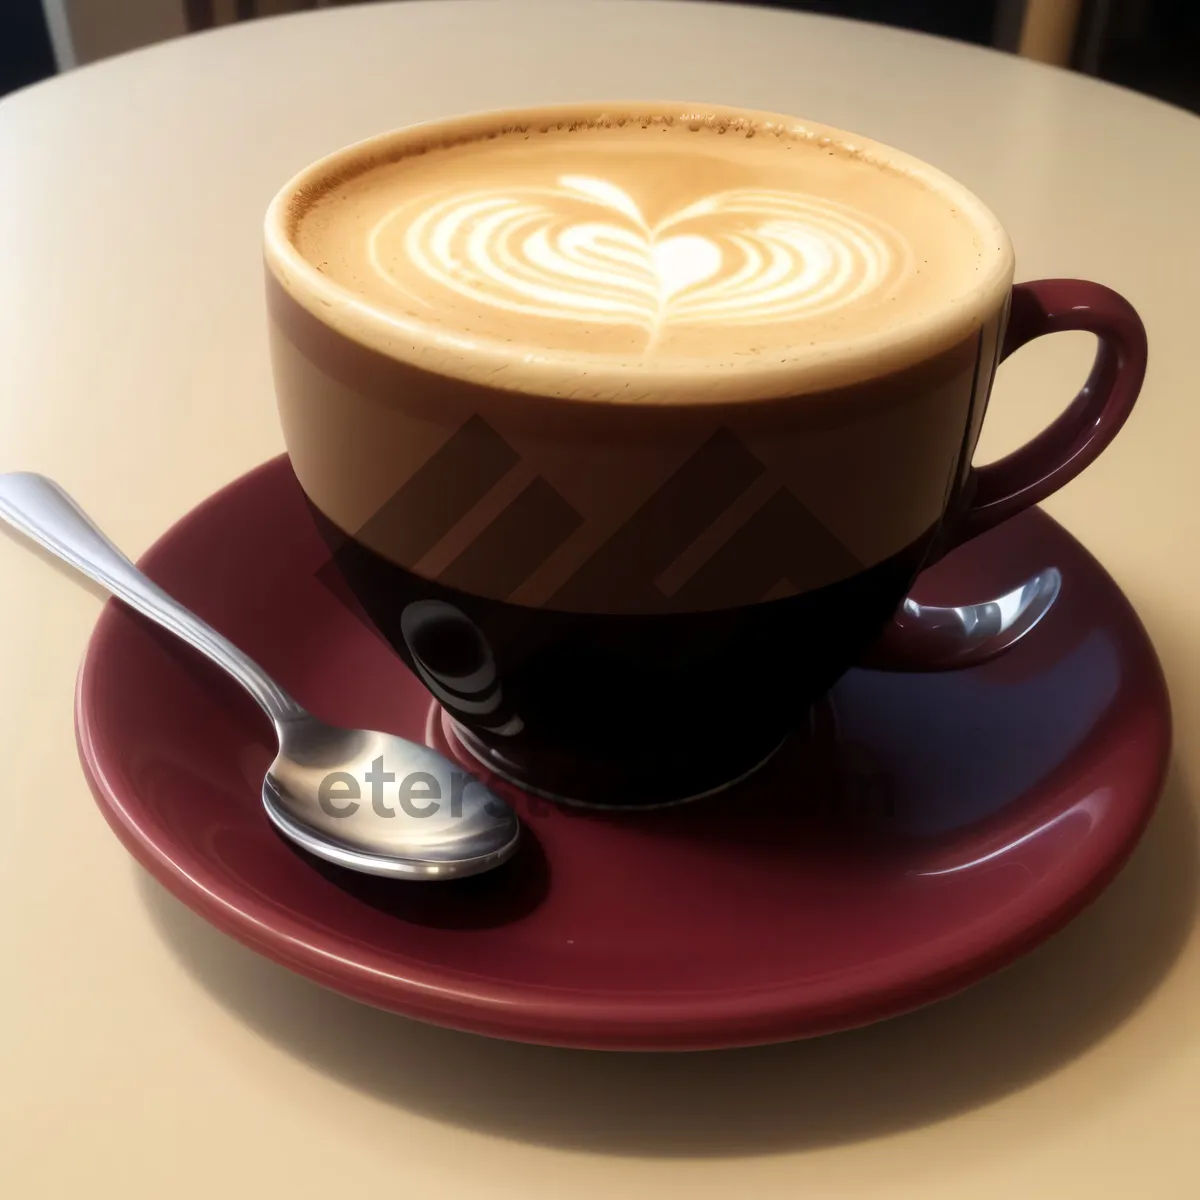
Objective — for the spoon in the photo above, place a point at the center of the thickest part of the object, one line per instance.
(325, 790)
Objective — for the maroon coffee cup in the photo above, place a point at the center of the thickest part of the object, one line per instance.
(634, 601)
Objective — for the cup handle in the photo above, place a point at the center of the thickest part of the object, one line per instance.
(926, 638)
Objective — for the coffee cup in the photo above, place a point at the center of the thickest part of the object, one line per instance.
(631, 426)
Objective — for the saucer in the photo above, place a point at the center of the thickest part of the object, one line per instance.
(923, 831)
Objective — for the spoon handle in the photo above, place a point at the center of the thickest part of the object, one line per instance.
(40, 509)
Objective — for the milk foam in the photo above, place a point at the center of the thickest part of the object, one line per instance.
(582, 250)
(643, 245)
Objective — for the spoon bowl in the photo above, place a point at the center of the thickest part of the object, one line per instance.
(385, 805)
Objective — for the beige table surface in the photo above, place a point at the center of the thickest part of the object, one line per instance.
(144, 1055)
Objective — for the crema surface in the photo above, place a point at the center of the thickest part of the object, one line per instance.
(644, 241)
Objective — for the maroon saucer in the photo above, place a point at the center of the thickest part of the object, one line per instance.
(926, 830)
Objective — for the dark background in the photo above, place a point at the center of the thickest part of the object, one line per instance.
(1150, 45)
(25, 54)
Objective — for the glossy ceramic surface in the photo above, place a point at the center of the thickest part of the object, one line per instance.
(925, 830)
(652, 672)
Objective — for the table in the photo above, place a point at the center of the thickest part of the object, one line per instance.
(144, 1054)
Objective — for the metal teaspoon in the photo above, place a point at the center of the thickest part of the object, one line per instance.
(467, 830)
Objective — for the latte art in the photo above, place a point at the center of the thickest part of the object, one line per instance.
(636, 256)
(581, 249)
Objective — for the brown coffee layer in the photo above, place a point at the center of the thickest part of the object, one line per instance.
(641, 509)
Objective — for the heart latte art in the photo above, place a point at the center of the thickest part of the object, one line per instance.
(582, 250)
(589, 253)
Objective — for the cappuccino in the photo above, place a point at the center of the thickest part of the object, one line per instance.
(629, 427)
(648, 255)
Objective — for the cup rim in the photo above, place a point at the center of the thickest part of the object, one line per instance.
(598, 378)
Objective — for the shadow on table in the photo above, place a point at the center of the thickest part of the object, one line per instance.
(998, 1036)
